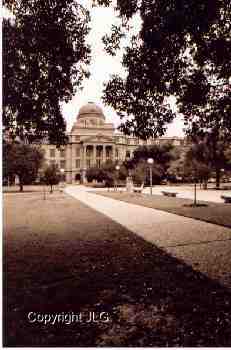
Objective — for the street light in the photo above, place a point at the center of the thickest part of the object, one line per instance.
(117, 168)
(150, 163)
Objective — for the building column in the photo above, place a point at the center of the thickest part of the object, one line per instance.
(104, 153)
(113, 153)
(94, 154)
(83, 164)
(84, 156)
(69, 164)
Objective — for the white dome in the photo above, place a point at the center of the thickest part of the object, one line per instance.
(90, 110)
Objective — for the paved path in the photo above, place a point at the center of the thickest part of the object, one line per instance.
(207, 247)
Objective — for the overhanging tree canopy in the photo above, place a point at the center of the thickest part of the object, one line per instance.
(182, 49)
(44, 61)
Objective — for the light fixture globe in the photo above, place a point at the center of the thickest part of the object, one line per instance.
(150, 161)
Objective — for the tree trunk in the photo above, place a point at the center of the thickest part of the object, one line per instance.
(205, 184)
(21, 186)
(51, 190)
(218, 176)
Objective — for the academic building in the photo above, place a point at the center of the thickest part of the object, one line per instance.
(93, 141)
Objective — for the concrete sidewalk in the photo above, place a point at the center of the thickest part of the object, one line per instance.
(207, 247)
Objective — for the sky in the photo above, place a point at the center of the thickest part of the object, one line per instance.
(101, 68)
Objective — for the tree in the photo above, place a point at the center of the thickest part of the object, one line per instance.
(23, 161)
(197, 163)
(211, 152)
(176, 170)
(139, 173)
(44, 62)
(162, 156)
(107, 173)
(95, 173)
(52, 176)
(181, 49)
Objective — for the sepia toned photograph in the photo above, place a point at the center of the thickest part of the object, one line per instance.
(116, 173)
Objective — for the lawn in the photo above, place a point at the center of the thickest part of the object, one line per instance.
(61, 256)
(216, 213)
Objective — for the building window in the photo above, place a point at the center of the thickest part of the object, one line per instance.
(62, 153)
(98, 163)
(77, 138)
(62, 164)
(117, 153)
(77, 152)
(77, 163)
(52, 162)
(52, 153)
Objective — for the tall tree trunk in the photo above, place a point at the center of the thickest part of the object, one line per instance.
(21, 186)
(218, 176)
(205, 184)
(51, 190)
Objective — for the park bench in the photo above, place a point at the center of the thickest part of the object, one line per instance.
(138, 189)
(227, 199)
(169, 194)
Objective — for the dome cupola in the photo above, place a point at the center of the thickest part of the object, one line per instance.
(90, 110)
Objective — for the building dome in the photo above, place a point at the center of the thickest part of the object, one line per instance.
(90, 110)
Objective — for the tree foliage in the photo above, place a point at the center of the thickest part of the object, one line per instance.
(181, 49)
(52, 176)
(206, 156)
(197, 164)
(107, 173)
(44, 61)
(23, 161)
(162, 156)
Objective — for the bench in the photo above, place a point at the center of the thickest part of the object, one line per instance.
(227, 199)
(169, 194)
(138, 189)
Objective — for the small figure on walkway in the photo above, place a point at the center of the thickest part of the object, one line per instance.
(129, 184)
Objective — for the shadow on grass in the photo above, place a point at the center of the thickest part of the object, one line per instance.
(152, 298)
(23, 192)
(192, 205)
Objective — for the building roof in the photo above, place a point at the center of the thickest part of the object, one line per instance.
(90, 110)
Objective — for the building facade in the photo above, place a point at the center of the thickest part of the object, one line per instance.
(93, 141)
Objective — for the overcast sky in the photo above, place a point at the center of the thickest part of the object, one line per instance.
(102, 66)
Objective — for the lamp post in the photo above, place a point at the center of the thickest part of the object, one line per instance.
(150, 163)
(117, 168)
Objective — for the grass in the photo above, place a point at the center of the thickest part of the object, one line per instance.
(28, 189)
(61, 256)
(216, 213)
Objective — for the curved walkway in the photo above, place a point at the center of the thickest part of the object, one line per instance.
(207, 247)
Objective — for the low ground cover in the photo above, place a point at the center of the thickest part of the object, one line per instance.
(61, 256)
(216, 213)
